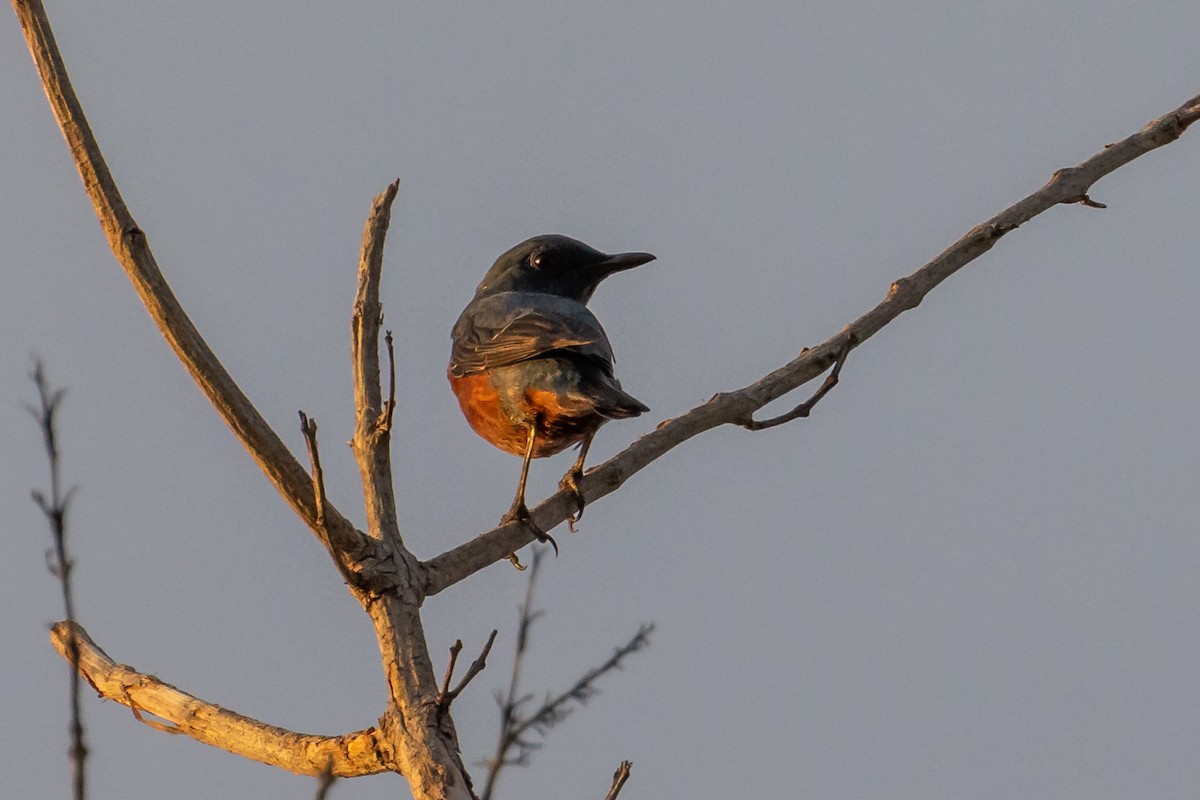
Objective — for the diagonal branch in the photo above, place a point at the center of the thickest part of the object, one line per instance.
(132, 250)
(554, 710)
(359, 753)
(1069, 185)
(514, 724)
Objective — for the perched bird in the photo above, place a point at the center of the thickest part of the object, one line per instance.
(531, 367)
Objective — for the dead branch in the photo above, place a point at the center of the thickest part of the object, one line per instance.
(619, 778)
(447, 695)
(344, 564)
(360, 753)
(1069, 185)
(55, 508)
(132, 251)
(372, 432)
(805, 408)
(515, 726)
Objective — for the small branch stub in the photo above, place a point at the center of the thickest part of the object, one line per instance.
(619, 778)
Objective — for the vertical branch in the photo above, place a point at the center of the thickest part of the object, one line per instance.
(325, 782)
(55, 509)
(372, 431)
(423, 739)
(508, 706)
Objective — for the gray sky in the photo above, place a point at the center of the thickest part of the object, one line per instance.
(972, 573)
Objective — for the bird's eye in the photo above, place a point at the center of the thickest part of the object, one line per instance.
(535, 259)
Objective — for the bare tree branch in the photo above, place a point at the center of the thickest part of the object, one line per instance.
(372, 432)
(555, 710)
(514, 726)
(1069, 185)
(447, 695)
(361, 753)
(55, 508)
(424, 736)
(132, 250)
(619, 778)
(344, 563)
(805, 408)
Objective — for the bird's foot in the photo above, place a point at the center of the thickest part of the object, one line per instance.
(570, 483)
(520, 513)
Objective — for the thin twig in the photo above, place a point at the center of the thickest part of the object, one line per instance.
(508, 705)
(390, 407)
(447, 695)
(553, 711)
(308, 427)
(325, 781)
(513, 725)
(455, 649)
(619, 778)
(55, 508)
(805, 408)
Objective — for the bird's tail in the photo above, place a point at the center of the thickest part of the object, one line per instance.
(614, 402)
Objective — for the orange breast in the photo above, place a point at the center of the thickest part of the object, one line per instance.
(562, 419)
(481, 405)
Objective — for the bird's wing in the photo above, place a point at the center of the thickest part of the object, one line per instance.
(510, 327)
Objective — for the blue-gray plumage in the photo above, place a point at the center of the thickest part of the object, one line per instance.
(531, 366)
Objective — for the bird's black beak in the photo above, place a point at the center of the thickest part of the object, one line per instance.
(622, 261)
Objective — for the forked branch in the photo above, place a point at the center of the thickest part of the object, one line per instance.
(373, 415)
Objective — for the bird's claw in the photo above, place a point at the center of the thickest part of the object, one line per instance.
(520, 513)
(570, 483)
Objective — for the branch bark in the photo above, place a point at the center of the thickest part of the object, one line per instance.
(425, 740)
(1069, 185)
(359, 753)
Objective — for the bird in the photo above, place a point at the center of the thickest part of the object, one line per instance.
(531, 366)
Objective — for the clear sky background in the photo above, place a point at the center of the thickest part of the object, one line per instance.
(974, 572)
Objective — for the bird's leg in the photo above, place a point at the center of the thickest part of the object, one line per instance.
(571, 480)
(519, 512)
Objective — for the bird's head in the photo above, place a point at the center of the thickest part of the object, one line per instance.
(554, 264)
